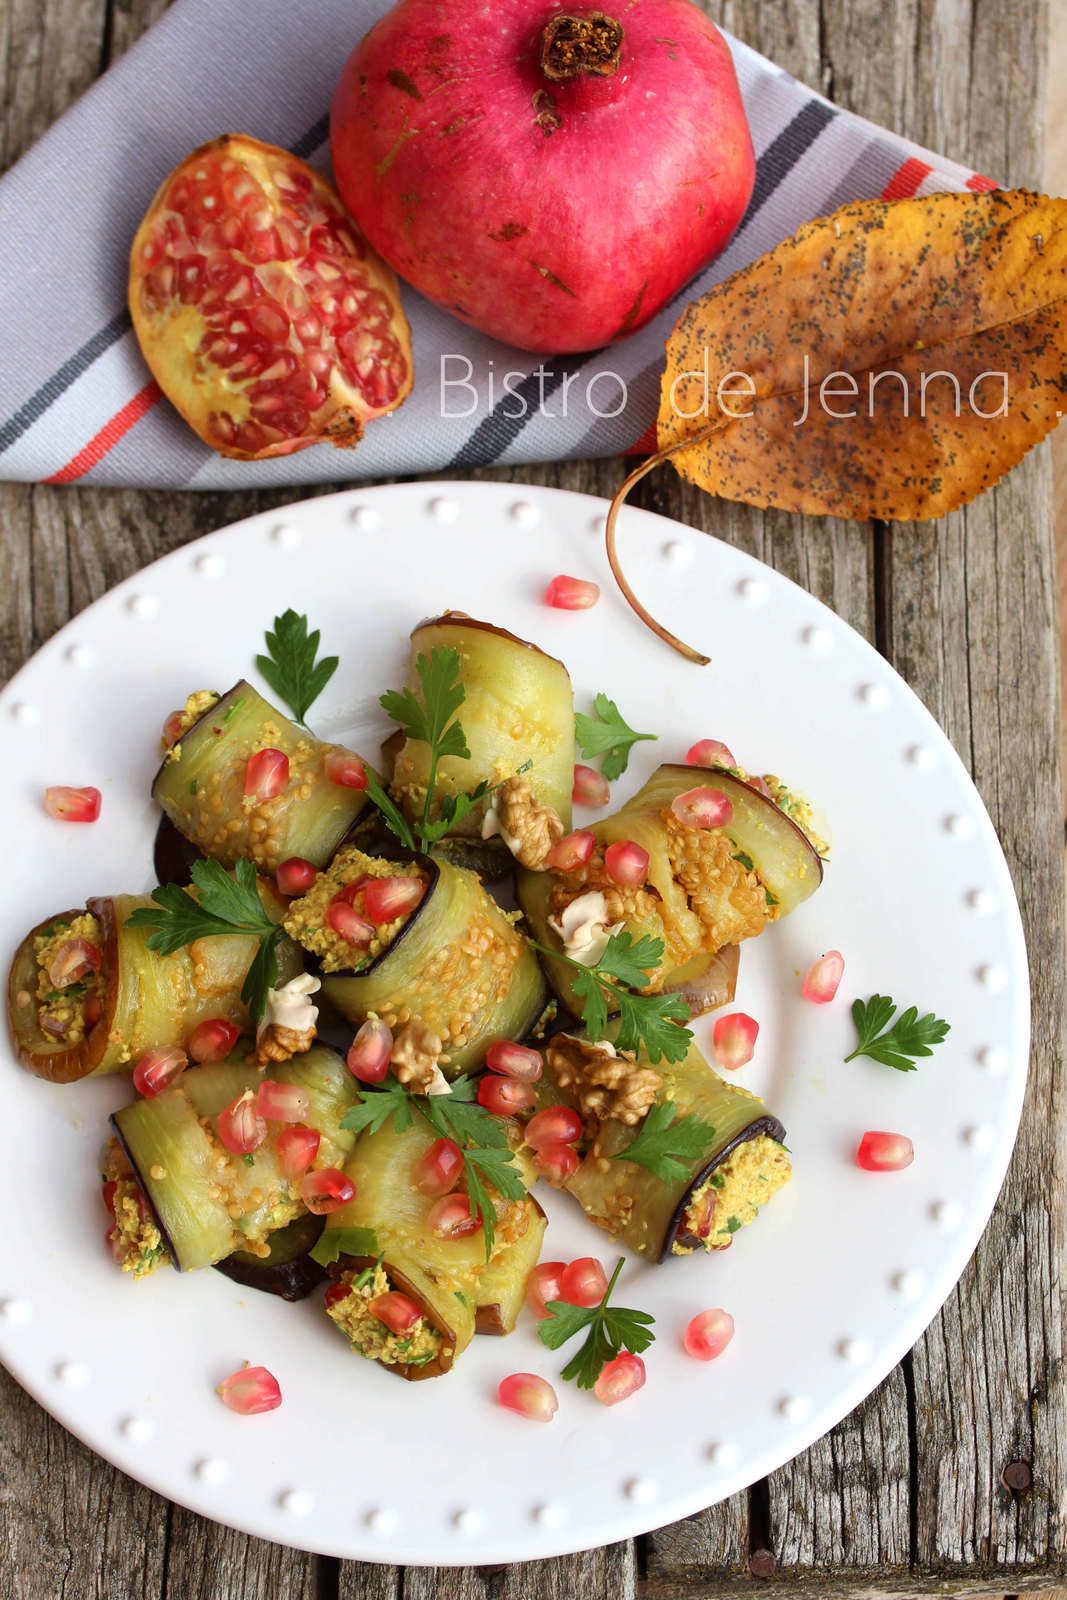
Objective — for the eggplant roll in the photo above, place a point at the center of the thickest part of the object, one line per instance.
(519, 708)
(383, 1241)
(201, 785)
(707, 888)
(288, 1270)
(454, 961)
(198, 1201)
(86, 994)
(721, 1190)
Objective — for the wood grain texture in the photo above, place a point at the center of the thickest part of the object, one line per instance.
(906, 1495)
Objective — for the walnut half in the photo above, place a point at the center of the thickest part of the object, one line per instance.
(278, 1043)
(528, 826)
(416, 1051)
(605, 1085)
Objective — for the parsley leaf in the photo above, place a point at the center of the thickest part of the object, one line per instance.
(611, 1329)
(665, 1146)
(291, 668)
(375, 1106)
(898, 1045)
(394, 818)
(648, 1022)
(442, 695)
(607, 734)
(336, 1242)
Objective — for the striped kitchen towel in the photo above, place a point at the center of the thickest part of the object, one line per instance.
(77, 403)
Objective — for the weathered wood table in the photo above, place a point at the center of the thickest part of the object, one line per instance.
(953, 1476)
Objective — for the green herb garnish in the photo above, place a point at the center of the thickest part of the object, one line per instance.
(665, 1146)
(337, 1242)
(907, 1038)
(732, 1225)
(291, 668)
(647, 1022)
(611, 1329)
(608, 735)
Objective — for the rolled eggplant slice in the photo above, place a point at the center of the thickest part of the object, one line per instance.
(382, 1240)
(201, 787)
(288, 1270)
(501, 1286)
(130, 998)
(205, 1200)
(722, 1189)
(456, 962)
(519, 708)
(707, 889)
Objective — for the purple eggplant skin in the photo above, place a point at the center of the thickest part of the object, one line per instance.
(676, 1230)
(173, 855)
(168, 1243)
(288, 1271)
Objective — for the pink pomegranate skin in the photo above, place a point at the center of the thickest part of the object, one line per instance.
(554, 212)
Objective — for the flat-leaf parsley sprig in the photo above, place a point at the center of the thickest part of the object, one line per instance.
(666, 1144)
(608, 735)
(222, 904)
(899, 1044)
(647, 1022)
(610, 1330)
(291, 667)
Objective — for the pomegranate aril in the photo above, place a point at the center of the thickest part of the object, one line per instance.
(395, 1310)
(240, 1127)
(571, 594)
(710, 753)
(326, 1190)
(530, 1396)
(514, 1061)
(385, 899)
(452, 1218)
(282, 1102)
(619, 1379)
(591, 788)
(734, 1040)
(212, 1040)
(72, 961)
(583, 1282)
(266, 775)
(702, 808)
(554, 1125)
(370, 1051)
(107, 1194)
(708, 1334)
(542, 1286)
(345, 768)
(297, 1148)
(504, 1097)
(72, 805)
(347, 923)
(885, 1152)
(295, 876)
(556, 1163)
(156, 1070)
(92, 1011)
(626, 864)
(438, 1169)
(571, 852)
(823, 977)
(250, 1391)
(172, 728)
(335, 1294)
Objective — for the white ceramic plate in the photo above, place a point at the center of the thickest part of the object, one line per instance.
(829, 1288)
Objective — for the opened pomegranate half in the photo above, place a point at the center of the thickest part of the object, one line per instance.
(263, 314)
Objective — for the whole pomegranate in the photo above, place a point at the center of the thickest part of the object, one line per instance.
(550, 174)
(263, 315)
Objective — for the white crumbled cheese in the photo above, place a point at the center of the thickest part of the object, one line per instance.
(439, 1084)
(290, 1005)
(584, 928)
(493, 828)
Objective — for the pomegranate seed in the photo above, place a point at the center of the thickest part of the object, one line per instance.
(760, 787)
(386, 899)
(282, 1102)
(347, 923)
(571, 594)
(554, 1125)
(240, 1127)
(572, 851)
(583, 1282)
(620, 1379)
(250, 1391)
(73, 960)
(72, 805)
(352, 891)
(335, 1294)
(885, 1152)
(504, 1097)
(591, 788)
(530, 1396)
(438, 1169)
(93, 1011)
(172, 728)
(542, 1286)
(326, 1190)
(702, 808)
(344, 767)
(452, 1218)
(296, 1150)
(514, 1061)
(734, 1040)
(708, 1335)
(107, 1194)
(212, 1040)
(156, 1070)
(395, 1310)
(823, 978)
(710, 753)
(266, 775)
(370, 1051)
(626, 863)
(295, 876)
(556, 1163)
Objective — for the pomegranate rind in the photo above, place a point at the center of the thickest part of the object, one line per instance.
(229, 410)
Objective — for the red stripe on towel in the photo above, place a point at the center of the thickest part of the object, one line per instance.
(109, 435)
(981, 184)
(906, 179)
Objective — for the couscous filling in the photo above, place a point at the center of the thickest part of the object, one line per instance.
(352, 1313)
(731, 1196)
(135, 1240)
(196, 704)
(69, 979)
(307, 921)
